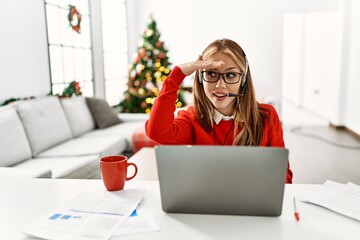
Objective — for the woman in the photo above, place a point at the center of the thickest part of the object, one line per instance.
(225, 110)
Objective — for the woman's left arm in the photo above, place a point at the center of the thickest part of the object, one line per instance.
(273, 136)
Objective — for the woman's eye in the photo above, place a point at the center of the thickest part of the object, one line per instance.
(212, 74)
(230, 75)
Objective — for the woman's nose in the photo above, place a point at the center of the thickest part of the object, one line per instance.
(221, 83)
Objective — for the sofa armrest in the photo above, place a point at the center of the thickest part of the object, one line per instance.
(133, 117)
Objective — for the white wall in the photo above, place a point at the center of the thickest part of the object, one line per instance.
(293, 54)
(322, 63)
(352, 108)
(24, 62)
(97, 46)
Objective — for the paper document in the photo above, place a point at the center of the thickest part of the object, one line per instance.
(141, 220)
(88, 216)
(340, 198)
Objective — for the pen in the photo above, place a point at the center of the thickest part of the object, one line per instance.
(296, 213)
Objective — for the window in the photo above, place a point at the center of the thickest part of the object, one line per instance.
(70, 52)
(115, 49)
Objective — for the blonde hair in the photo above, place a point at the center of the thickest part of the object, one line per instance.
(249, 116)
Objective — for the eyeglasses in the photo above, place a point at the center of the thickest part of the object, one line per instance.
(228, 77)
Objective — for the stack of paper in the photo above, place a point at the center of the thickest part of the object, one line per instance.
(340, 198)
(140, 221)
(91, 216)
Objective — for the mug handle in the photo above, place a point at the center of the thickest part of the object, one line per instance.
(136, 170)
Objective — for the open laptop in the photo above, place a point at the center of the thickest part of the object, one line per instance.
(227, 180)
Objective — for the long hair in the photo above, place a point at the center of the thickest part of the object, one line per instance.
(249, 117)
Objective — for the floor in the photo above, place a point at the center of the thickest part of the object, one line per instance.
(318, 152)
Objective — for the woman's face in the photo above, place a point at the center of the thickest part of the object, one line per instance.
(217, 92)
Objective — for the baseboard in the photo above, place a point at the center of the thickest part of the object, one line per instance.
(347, 130)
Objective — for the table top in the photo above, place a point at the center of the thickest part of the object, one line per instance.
(22, 201)
(146, 161)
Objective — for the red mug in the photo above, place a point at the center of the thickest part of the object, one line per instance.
(114, 171)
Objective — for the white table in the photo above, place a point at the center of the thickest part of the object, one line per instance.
(24, 200)
(145, 159)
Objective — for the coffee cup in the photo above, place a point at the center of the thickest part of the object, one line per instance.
(114, 171)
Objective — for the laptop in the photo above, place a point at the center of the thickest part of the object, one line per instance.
(226, 180)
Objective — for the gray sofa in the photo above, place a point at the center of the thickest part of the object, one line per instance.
(59, 138)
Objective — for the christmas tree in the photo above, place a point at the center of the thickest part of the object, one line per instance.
(147, 73)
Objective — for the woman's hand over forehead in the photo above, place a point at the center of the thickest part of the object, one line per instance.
(199, 64)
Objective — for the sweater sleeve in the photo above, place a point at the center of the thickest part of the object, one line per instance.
(162, 125)
(274, 136)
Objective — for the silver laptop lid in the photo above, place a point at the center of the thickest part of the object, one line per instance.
(229, 180)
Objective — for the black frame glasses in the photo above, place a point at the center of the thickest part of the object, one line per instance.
(228, 77)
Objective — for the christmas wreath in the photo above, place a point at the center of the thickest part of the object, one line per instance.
(74, 18)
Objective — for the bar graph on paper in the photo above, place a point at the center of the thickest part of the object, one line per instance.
(58, 216)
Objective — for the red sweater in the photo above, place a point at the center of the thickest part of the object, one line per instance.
(184, 129)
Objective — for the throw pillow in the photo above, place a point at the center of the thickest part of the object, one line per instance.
(78, 115)
(102, 113)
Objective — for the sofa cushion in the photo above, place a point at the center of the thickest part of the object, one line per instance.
(14, 146)
(78, 115)
(15, 172)
(67, 167)
(44, 122)
(100, 146)
(102, 113)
